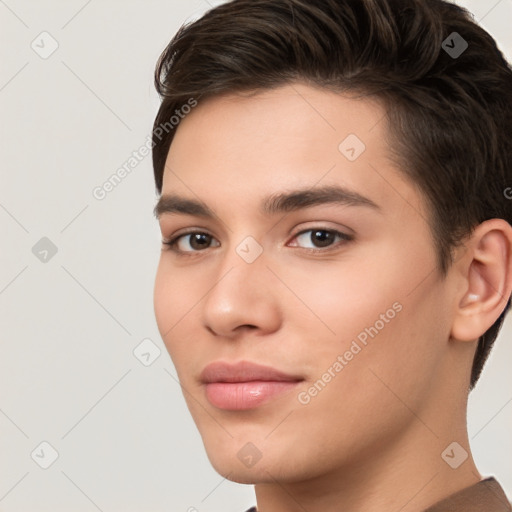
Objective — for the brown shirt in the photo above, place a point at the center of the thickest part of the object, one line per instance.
(484, 496)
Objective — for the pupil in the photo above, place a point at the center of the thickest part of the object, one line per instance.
(201, 239)
(324, 237)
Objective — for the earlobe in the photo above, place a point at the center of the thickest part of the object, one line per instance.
(486, 271)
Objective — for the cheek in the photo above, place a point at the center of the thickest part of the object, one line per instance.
(368, 308)
(162, 301)
(364, 401)
(339, 299)
(171, 302)
(177, 299)
(397, 357)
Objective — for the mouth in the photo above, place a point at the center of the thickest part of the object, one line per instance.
(244, 385)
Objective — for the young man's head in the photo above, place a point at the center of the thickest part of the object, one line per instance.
(335, 198)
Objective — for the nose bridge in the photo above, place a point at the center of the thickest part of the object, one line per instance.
(241, 294)
(243, 268)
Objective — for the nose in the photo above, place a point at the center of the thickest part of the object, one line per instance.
(244, 297)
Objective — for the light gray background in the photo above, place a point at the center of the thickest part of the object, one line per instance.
(124, 437)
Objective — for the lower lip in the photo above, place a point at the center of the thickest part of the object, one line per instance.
(238, 396)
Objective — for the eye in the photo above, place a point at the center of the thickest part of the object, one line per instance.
(196, 240)
(320, 237)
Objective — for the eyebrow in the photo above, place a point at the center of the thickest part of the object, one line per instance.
(271, 205)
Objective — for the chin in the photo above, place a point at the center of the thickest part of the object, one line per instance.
(234, 470)
(247, 477)
(230, 464)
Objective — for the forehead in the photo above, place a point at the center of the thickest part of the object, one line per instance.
(290, 112)
(289, 137)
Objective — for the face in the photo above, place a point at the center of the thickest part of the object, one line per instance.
(333, 291)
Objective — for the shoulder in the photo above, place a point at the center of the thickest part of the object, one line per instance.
(485, 495)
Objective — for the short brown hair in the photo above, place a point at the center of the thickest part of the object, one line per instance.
(450, 120)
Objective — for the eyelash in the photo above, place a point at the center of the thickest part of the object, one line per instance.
(171, 243)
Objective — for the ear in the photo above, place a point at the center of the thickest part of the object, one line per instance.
(485, 279)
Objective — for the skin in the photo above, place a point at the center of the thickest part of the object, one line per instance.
(372, 438)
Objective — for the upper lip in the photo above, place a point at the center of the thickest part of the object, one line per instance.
(243, 371)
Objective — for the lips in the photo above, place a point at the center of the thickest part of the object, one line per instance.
(243, 371)
(244, 385)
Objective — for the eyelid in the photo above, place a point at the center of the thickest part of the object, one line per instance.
(172, 242)
(345, 237)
